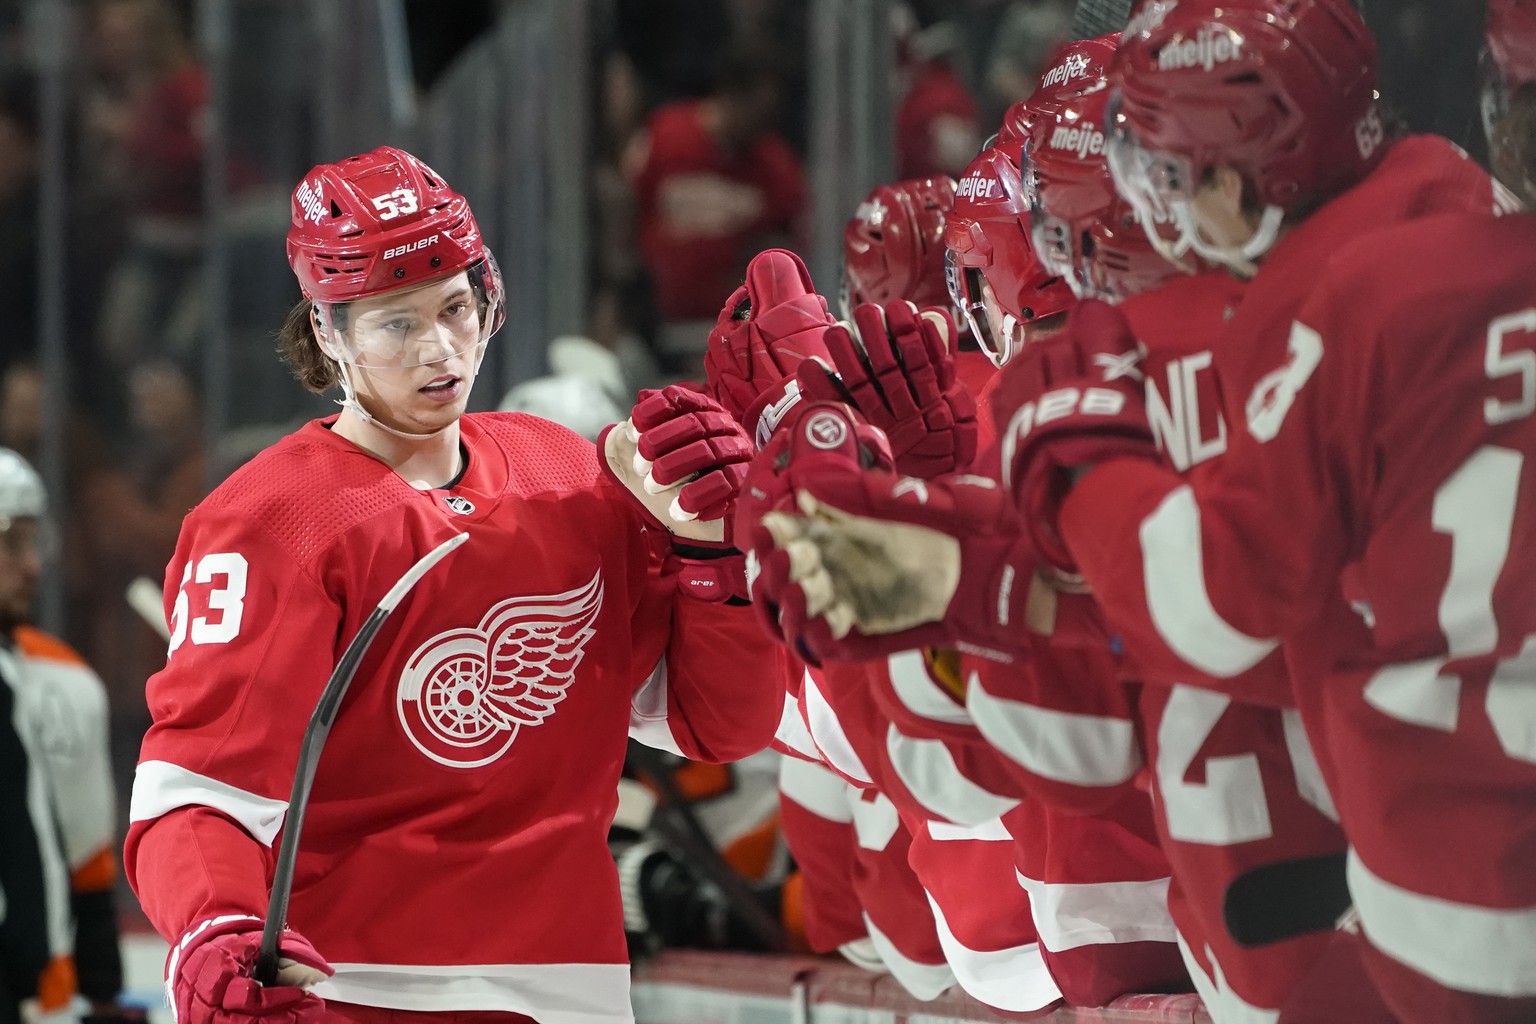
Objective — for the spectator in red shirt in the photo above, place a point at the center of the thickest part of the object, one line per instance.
(938, 127)
(714, 185)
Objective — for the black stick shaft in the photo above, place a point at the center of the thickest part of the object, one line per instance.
(315, 733)
(1094, 18)
(1281, 901)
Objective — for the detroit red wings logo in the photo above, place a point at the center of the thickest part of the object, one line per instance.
(466, 693)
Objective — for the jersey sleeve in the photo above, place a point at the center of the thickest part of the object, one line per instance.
(1202, 574)
(253, 639)
(718, 691)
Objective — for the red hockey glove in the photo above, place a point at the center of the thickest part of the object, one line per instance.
(208, 976)
(1063, 404)
(769, 484)
(687, 438)
(899, 372)
(870, 562)
(766, 329)
(682, 458)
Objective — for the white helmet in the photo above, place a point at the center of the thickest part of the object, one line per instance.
(578, 403)
(582, 391)
(21, 489)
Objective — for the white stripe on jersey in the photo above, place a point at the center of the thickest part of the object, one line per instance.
(160, 787)
(1485, 950)
(1174, 566)
(1083, 750)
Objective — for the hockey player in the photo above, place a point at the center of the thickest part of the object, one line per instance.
(454, 857)
(59, 956)
(893, 250)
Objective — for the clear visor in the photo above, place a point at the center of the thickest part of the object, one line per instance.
(1050, 237)
(966, 294)
(1159, 187)
(418, 326)
(1052, 241)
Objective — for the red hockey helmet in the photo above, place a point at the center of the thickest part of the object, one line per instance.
(383, 222)
(1284, 91)
(893, 248)
(1073, 68)
(987, 238)
(1081, 228)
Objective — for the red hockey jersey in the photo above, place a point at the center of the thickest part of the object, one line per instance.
(1336, 463)
(454, 852)
(1152, 595)
(861, 894)
(1405, 449)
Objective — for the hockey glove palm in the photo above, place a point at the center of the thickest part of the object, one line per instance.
(899, 372)
(869, 562)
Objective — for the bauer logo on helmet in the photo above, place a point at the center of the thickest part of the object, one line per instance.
(410, 247)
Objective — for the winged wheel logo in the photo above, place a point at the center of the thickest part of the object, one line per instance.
(466, 693)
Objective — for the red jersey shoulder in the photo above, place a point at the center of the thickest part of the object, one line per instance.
(1186, 313)
(541, 455)
(1425, 174)
(1421, 176)
(1417, 302)
(308, 489)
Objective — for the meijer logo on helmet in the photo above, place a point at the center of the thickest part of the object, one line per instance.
(409, 247)
(976, 186)
(1083, 139)
(1075, 66)
(310, 201)
(1206, 50)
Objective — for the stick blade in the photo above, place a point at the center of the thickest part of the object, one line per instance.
(1285, 900)
(144, 598)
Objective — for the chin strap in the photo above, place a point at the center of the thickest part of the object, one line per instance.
(1009, 349)
(349, 401)
(1244, 259)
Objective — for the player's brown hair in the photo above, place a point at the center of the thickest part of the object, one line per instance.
(300, 349)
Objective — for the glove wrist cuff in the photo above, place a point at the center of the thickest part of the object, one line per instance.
(772, 409)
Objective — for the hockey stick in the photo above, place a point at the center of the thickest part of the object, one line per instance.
(678, 825)
(1094, 18)
(1284, 900)
(144, 598)
(309, 754)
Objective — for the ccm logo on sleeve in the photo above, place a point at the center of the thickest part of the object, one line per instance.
(1055, 405)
